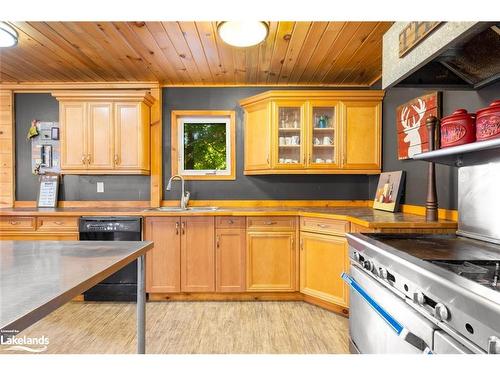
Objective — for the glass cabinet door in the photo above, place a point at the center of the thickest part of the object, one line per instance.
(290, 123)
(323, 143)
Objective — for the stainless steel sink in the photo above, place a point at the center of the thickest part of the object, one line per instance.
(179, 209)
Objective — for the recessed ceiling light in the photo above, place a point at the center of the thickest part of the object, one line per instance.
(243, 33)
(8, 36)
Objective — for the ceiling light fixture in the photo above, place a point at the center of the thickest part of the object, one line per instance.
(243, 33)
(8, 36)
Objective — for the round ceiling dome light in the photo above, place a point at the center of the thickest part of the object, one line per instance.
(8, 36)
(243, 33)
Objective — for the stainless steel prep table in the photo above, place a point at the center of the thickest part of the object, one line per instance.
(37, 277)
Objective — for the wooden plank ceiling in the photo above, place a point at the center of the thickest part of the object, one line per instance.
(191, 53)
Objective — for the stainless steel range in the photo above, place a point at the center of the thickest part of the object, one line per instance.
(417, 293)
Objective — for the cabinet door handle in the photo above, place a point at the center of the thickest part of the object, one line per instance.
(183, 227)
(218, 242)
(301, 244)
(13, 222)
(293, 242)
(177, 228)
(58, 223)
(84, 159)
(323, 226)
(89, 158)
(116, 160)
(270, 222)
(230, 221)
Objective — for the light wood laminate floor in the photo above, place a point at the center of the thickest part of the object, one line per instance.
(195, 327)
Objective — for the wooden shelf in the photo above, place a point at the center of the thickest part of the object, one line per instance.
(461, 156)
(322, 129)
(323, 146)
(289, 129)
(290, 146)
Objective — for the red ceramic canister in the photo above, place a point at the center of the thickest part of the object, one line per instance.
(458, 128)
(488, 122)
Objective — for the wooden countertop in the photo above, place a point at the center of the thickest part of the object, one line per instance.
(363, 216)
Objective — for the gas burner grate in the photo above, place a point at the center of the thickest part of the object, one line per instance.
(486, 273)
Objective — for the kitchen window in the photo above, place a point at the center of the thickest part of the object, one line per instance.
(203, 145)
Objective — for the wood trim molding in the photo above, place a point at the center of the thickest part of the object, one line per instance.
(239, 296)
(108, 95)
(269, 203)
(249, 296)
(156, 149)
(7, 149)
(174, 146)
(356, 95)
(88, 204)
(284, 85)
(51, 86)
(443, 214)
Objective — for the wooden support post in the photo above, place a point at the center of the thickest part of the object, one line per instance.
(431, 205)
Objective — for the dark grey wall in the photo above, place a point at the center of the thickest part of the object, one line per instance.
(44, 107)
(248, 187)
(416, 171)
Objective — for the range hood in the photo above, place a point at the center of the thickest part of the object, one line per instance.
(456, 54)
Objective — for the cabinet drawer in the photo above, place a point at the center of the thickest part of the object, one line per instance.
(228, 222)
(57, 224)
(278, 223)
(10, 223)
(327, 226)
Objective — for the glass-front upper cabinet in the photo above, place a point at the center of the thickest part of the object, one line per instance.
(290, 134)
(323, 150)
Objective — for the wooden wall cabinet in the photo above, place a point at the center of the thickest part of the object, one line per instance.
(105, 132)
(313, 132)
(183, 257)
(362, 135)
(271, 257)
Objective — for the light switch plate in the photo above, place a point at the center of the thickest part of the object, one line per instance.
(100, 187)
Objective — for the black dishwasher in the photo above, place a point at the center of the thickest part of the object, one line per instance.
(122, 285)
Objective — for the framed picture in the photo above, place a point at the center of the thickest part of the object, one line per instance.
(389, 189)
(410, 124)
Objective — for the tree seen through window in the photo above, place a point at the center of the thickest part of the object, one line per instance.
(204, 146)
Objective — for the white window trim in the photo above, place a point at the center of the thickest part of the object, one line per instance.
(180, 144)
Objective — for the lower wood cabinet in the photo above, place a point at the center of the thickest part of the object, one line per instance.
(323, 258)
(271, 261)
(197, 254)
(230, 255)
(50, 228)
(182, 259)
(163, 261)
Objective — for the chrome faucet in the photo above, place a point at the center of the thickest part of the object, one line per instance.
(184, 195)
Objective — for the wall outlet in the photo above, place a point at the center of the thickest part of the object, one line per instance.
(100, 187)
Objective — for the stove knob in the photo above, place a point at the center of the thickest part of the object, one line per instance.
(441, 312)
(356, 256)
(420, 298)
(493, 345)
(368, 265)
(382, 272)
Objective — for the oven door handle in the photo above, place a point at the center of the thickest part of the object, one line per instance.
(397, 327)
